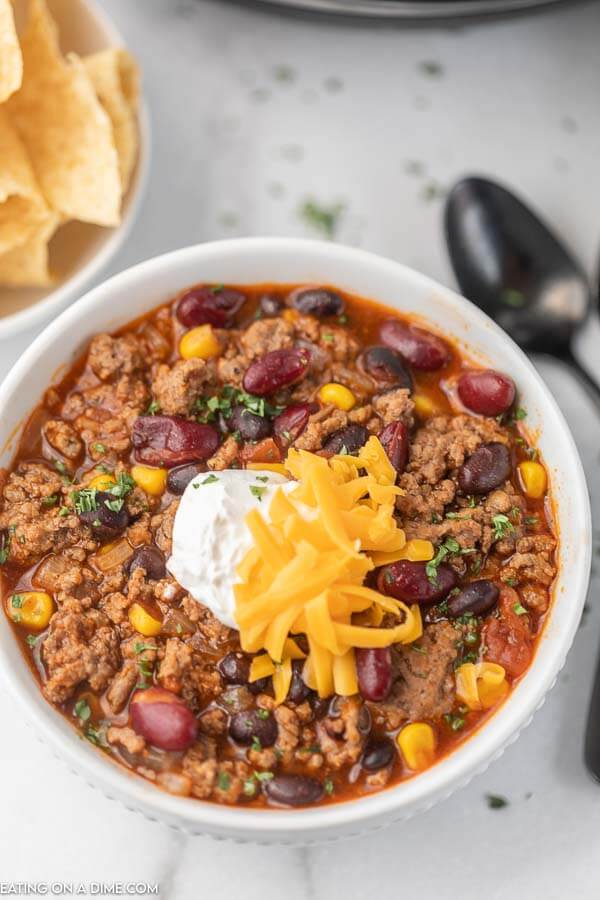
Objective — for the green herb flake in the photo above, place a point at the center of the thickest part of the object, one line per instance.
(256, 744)
(264, 776)
(64, 511)
(496, 801)
(85, 500)
(418, 649)
(52, 500)
(502, 526)
(153, 408)
(519, 414)
(82, 710)
(328, 786)
(210, 479)
(4, 548)
(224, 781)
(513, 298)
(31, 640)
(511, 582)
(98, 448)
(532, 521)
(263, 713)
(217, 288)
(249, 787)
(322, 218)
(454, 722)
(343, 319)
(16, 601)
(95, 736)
(328, 337)
(257, 491)
(263, 478)
(519, 609)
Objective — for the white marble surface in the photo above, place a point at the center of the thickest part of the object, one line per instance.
(236, 151)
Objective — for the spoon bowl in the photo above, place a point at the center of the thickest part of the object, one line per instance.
(509, 263)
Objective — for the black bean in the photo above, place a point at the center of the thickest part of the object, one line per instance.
(105, 522)
(250, 426)
(319, 705)
(348, 440)
(270, 305)
(299, 690)
(234, 668)
(149, 558)
(485, 469)
(293, 790)
(387, 366)
(378, 754)
(478, 597)
(254, 725)
(318, 302)
(179, 478)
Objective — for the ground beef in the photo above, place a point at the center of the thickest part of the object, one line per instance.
(340, 736)
(122, 685)
(395, 406)
(424, 686)
(338, 342)
(110, 357)
(225, 456)
(231, 367)
(320, 425)
(266, 335)
(126, 738)
(177, 388)
(80, 646)
(177, 660)
(63, 438)
(162, 527)
(532, 561)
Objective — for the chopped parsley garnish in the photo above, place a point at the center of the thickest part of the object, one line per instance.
(519, 414)
(16, 601)
(145, 667)
(329, 338)
(139, 647)
(95, 736)
(4, 548)
(328, 785)
(472, 501)
(531, 520)
(217, 288)
(256, 744)
(343, 319)
(263, 478)
(249, 787)
(31, 640)
(513, 297)
(263, 713)
(63, 511)
(496, 801)
(519, 609)
(264, 776)
(153, 408)
(449, 546)
(257, 491)
(60, 467)
(502, 526)
(206, 408)
(511, 582)
(322, 218)
(418, 649)
(82, 710)
(99, 448)
(210, 479)
(455, 723)
(85, 500)
(50, 501)
(224, 781)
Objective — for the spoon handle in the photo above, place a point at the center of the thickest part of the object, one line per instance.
(590, 386)
(591, 753)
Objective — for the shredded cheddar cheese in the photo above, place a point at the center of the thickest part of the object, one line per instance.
(306, 569)
(481, 685)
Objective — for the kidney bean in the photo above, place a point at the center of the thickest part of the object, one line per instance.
(171, 441)
(487, 392)
(106, 523)
(317, 302)
(385, 365)
(179, 477)
(394, 439)
(378, 754)
(245, 727)
(374, 670)
(163, 719)
(209, 306)
(485, 469)
(270, 305)
(289, 425)
(478, 597)
(250, 426)
(423, 350)
(408, 581)
(149, 558)
(349, 440)
(299, 690)
(275, 370)
(293, 790)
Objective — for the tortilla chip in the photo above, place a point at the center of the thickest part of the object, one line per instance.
(11, 61)
(115, 77)
(66, 132)
(27, 265)
(22, 207)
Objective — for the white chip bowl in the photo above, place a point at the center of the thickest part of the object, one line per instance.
(256, 260)
(79, 251)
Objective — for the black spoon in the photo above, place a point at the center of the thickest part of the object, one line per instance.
(510, 264)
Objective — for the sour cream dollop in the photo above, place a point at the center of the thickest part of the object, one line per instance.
(210, 538)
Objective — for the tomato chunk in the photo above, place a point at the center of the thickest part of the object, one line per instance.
(507, 638)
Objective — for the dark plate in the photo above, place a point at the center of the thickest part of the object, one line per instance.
(413, 9)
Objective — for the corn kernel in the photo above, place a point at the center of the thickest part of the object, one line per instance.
(533, 479)
(32, 609)
(290, 315)
(424, 406)
(143, 622)
(199, 343)
(102, 482)
(269, 467)
(417, 744)
(337, 395)
(153, 481)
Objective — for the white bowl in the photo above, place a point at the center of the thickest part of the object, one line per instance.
(245, 261)
(79, 250)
